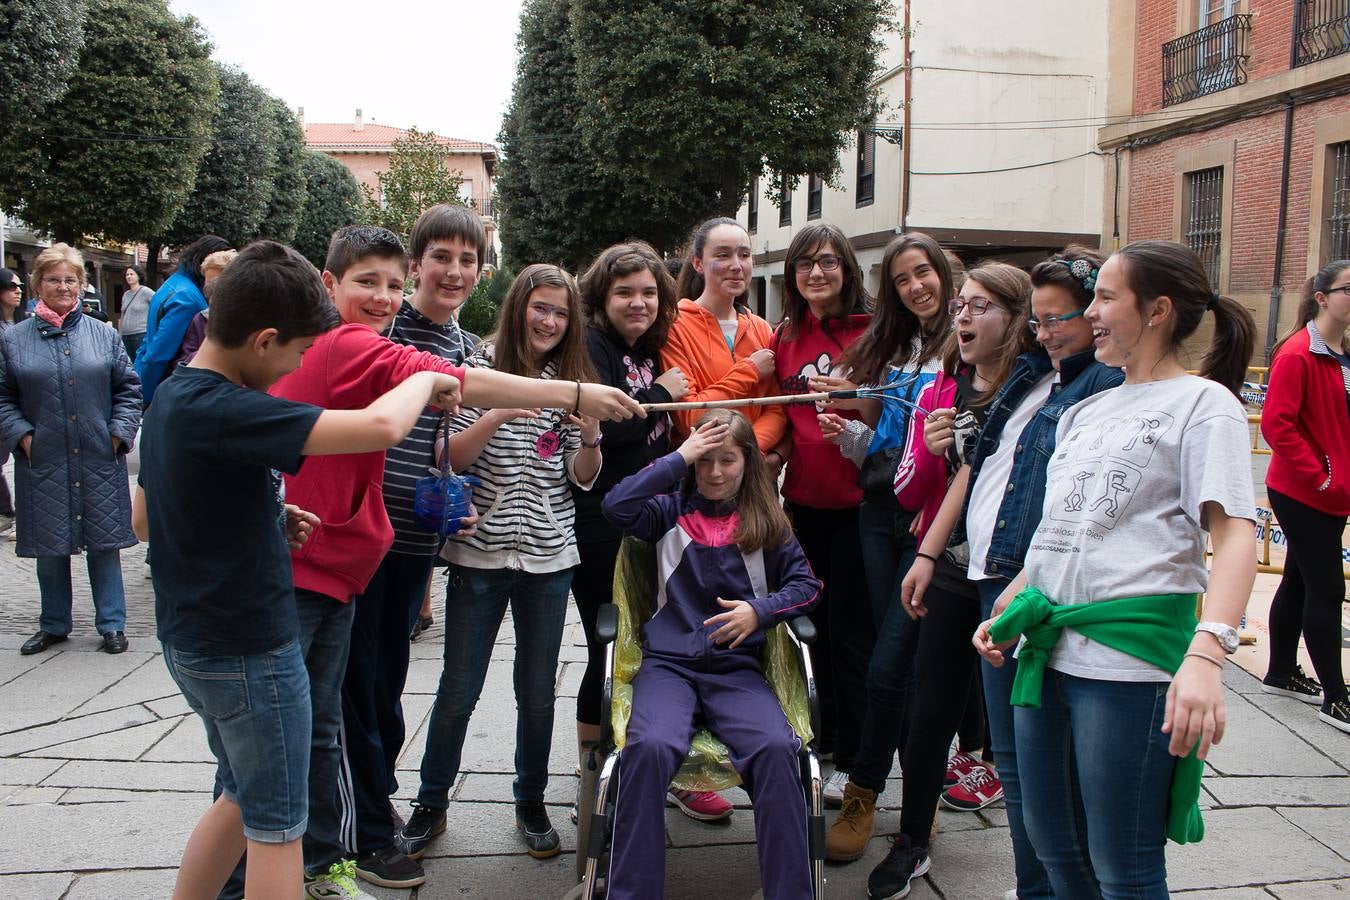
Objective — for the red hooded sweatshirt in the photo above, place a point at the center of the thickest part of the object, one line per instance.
(818, 475)
(347, 368)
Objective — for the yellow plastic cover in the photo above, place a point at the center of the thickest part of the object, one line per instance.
(707, 765)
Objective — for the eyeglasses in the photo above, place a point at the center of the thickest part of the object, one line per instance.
(978, 305)
(828, 262)
(54, 281)
(1052, 323)
(1344, 289)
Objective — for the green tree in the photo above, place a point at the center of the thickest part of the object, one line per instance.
(116, 153)
(40, 43)
(479, 313)
(726, 89)
(418, 177)
(234, 184)
(287, 200)
(332, 199)
(558, 202)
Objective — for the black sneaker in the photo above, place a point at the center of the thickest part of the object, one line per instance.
(1297, 685)
(424, 824)
(391, 868)
(541, 840)
(890, 880)
(1336, 714)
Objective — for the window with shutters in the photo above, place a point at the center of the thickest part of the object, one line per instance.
(784, 201)
(754, 205)
(867, 161)
(815, 191)
(1338, 218)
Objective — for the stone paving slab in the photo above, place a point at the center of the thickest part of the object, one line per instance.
(133, 883)
(35, 887)
(1237, 852)
(1267, 745)
(142, 834)
(125, 743)
(1276, 791)
(1329, 826)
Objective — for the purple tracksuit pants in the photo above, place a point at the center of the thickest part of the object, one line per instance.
(739, 707)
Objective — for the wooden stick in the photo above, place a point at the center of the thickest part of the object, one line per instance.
(785, 399)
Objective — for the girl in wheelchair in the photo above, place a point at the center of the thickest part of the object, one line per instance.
(728, 569)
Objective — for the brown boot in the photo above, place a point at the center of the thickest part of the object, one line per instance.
(848, 836)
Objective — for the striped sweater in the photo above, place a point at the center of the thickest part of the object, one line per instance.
(410, 460)
(525, 508)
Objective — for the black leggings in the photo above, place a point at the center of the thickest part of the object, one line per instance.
(1310, 594)
(945, 668)
(592, 587)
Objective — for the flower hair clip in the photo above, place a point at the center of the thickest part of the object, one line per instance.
(1084, 271)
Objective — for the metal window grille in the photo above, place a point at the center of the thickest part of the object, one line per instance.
(1204, 218)
(1211, 59)
(1321, 30)
(815, 191)
(784, 201)
(867, 161)
(754, 205)
(1339, 219)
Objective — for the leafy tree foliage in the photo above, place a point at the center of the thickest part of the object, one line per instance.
(559, 202)
(479, 313)
(287, 200)
(723, 89)
(418, 177)
(39, 45)
(116, 153)
(234, 184)
(332, 199)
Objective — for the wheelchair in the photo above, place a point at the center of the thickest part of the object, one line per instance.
(707, 766)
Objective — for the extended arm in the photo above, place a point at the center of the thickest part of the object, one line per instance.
(383, 423)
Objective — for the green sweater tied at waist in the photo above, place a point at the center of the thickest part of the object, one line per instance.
(1157, 629)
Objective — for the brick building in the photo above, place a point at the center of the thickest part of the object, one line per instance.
(1229, 130)
(364, 148)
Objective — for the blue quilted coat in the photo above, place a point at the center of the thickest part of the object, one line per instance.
(74, 389)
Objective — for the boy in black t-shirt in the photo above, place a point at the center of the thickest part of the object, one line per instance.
(209, 497)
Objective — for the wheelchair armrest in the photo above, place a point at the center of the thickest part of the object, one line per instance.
(607, 623)
(803, 628)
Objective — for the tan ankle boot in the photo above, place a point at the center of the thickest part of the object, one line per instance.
(848, 836)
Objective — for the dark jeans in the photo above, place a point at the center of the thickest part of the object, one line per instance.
(829, 538)
(1310, 594)
(373, 731)
(888, 552)
(475, 606)
(1097, 775)
(105, 582)
(133, 343)
(592, 587)
(1032, 882)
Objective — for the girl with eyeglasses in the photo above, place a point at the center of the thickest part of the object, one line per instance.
(1306, 422)
(825, 309)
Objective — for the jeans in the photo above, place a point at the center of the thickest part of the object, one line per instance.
(1097, 775)
(475, 606)
(105, 580)
(256, 713)
(888, 552)
(1032, 882)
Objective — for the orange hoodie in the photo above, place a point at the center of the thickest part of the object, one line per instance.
(697, 346)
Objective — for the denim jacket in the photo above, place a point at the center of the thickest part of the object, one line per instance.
(1081, 376)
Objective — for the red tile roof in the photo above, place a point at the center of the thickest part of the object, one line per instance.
(330, 136)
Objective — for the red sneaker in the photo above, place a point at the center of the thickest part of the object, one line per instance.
(957, 766)
(976, 790)
(705, 806)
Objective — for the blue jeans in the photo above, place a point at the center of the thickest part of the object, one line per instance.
(888, 552)
(1097, 776)
(256, 713)
(475, 605)
(105, 580)
(1032, 882)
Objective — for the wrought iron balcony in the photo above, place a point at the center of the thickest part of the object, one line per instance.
(1202, 62)
(1321, 30)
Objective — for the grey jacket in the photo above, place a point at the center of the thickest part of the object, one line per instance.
(74, 389)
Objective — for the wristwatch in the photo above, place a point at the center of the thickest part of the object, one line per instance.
(598, 439)
(1227, 635)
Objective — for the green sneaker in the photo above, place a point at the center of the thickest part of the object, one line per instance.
(338, 883)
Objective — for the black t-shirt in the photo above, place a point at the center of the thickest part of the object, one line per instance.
(210, 451)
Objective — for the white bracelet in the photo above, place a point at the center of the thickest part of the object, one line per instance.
(1205, 656)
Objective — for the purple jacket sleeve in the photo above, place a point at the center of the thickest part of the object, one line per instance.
(798, 587)
(644, 504)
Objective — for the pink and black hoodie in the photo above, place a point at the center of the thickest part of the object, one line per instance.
(697, 561)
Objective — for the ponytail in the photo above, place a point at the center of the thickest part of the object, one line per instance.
(1230, 351)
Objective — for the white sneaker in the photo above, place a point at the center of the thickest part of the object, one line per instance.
(834, 788)
(338, 883)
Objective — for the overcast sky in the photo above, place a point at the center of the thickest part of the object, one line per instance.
(441, 65)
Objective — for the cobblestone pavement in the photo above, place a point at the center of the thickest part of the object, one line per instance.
(103, 773)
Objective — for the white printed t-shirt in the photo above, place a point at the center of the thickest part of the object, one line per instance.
(1132, 468)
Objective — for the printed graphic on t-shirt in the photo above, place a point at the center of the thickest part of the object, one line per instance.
(801, 382)
(640, 377)
(279, 492)
(1096, 473)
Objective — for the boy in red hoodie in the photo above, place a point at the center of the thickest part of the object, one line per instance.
(345, 369)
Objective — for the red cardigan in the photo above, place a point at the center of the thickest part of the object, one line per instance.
(347, 368)
(1306, 422)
